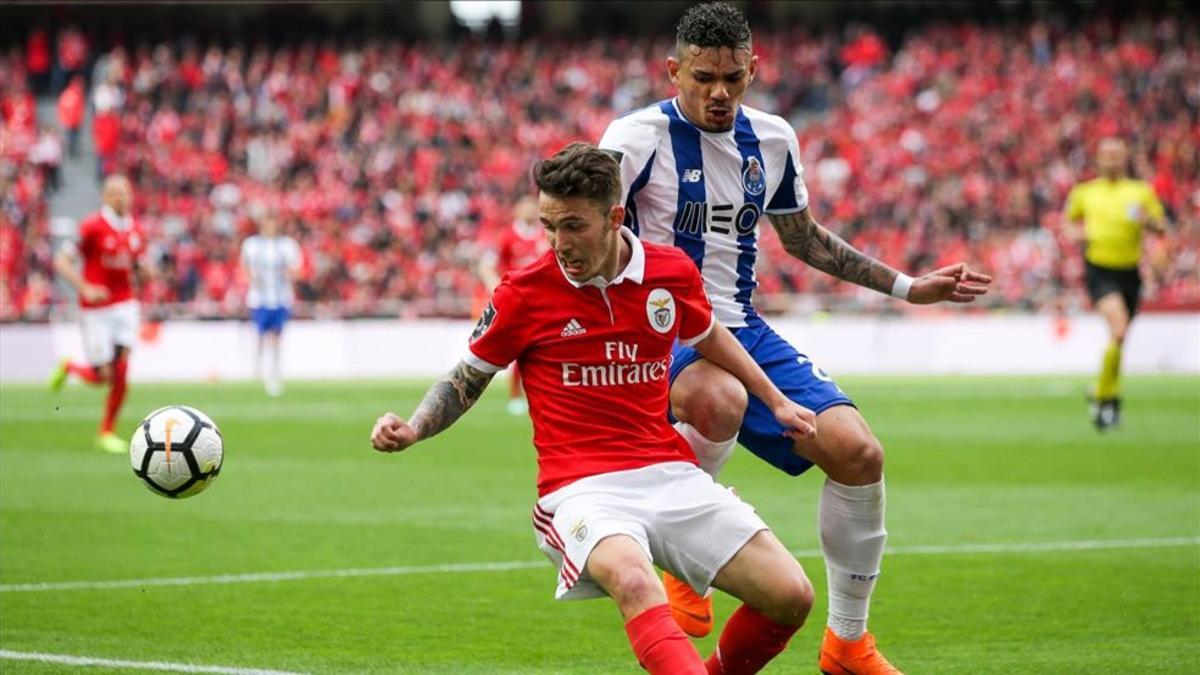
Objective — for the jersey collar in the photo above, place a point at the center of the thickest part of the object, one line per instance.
(111, 217)
(635, 269)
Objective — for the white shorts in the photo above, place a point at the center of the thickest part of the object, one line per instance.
(106, 327)
(686, 524)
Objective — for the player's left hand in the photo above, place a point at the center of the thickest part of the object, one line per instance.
(799, 423)
(954, 283)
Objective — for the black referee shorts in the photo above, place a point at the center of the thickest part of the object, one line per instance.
(1102, 280)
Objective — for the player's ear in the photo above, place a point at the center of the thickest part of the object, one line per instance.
(752, 69)
(616, 216)
(673, 66)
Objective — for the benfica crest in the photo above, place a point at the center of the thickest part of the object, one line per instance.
(660, 310)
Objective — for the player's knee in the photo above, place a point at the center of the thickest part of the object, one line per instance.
(716, 411)
(792, 600)
(862, 461)
(629, 585)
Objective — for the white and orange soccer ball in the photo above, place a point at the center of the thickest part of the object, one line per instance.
(177, 451)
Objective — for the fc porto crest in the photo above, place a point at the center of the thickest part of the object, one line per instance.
(754, 181)
(660, 310)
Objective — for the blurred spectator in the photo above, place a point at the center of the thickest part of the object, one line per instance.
(106, 137)
(37, 60)
(47, 155)
(72, 57)
(70, 112)
(394, 172)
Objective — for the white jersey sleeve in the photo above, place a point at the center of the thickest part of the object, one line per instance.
(781, 150)
(634, 140)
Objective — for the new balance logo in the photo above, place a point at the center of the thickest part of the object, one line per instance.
(572, 329)
(691, 176)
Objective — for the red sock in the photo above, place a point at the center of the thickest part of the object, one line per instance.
(748, 642)
(660, 646)
(84, 372)
(116, 395)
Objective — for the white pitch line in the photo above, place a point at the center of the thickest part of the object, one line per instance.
(946, 549)
(68, 660)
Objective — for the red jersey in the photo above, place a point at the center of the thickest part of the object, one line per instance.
(109, 253)
(595, 358)
(520, 246)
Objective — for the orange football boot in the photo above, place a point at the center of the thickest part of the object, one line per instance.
(692, 612)
(841, 657)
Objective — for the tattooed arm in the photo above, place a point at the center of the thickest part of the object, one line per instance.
(443, 404)
(806, 239)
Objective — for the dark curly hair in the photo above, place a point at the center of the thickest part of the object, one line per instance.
(580, 170)
(713, 24)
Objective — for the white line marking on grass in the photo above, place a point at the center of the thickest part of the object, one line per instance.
(139, 665)
(275, 576)
(256, 577)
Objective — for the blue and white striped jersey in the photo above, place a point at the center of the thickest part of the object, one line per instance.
(270, 262)
(704, 192)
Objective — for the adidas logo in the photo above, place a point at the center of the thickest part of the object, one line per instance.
(572, 329)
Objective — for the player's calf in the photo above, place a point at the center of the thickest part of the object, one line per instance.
(778, 598)
(620, 566)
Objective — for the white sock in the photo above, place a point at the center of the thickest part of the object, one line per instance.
(712, 454)
(850, 520)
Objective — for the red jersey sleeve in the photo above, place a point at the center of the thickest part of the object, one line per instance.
(695, 311)
(500, 335)
(87, 238)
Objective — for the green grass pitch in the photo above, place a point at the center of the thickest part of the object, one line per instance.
(1024, 541)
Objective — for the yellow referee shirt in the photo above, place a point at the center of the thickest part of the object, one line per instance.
(1112, 214)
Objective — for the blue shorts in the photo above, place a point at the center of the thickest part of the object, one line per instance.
(795, 375)
(269, 319)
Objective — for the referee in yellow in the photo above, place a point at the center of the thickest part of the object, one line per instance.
(1113, 209)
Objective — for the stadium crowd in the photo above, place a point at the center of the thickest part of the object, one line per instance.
(394, 164)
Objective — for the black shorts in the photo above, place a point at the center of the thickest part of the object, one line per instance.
(1101, 281)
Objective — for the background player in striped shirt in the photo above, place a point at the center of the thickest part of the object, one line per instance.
(591, 326)
(110, 243)
(699, 171)
(1107, 215)
(271, 261)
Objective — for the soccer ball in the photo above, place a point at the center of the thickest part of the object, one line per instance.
(176, 451)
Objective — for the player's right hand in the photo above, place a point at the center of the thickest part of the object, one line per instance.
(799, 423)
(94, 292)
(392, 434)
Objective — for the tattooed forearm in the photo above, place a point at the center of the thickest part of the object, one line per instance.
(805, 239)
(447, 400)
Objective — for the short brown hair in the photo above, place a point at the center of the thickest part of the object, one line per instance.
(580, 170)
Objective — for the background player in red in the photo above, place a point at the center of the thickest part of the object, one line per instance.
(592, 326)
(110, 243)
(519, 245)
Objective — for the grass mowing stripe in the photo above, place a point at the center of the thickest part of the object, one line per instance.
(68, 660)
(947, 549)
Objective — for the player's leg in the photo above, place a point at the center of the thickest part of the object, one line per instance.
(705, 534)
(709, 403)
(116, 374)
(621, 567)
(777, 597)
(598, 539)
(851, 511)
(853, 535)
(97, 346)
(1112, 307)
(517, 405)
